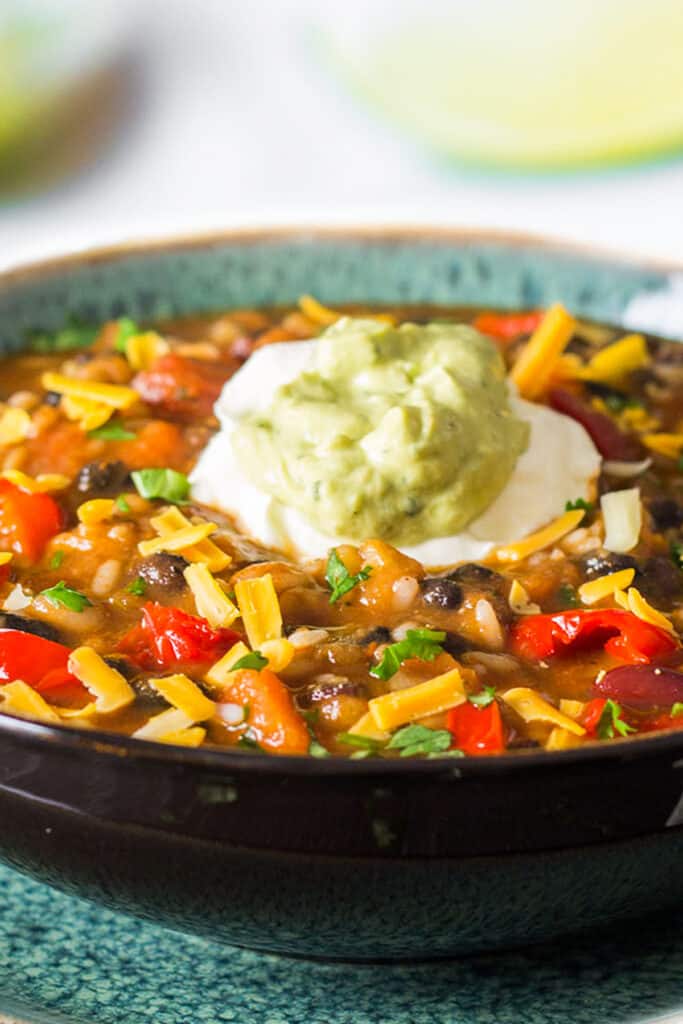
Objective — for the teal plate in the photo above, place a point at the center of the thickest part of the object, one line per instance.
(63, 961)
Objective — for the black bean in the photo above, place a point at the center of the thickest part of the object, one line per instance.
(523, 743)
(441, 592)
(472, 573)
(52, 398)
(455, 645)
(378, 635)
(164, 571)
(102, 477)
(119, 662)
(42, 629)
(660, 580)
(605, 562)
(666, 513)
(317, 692)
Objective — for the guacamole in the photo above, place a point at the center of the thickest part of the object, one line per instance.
(403, 433)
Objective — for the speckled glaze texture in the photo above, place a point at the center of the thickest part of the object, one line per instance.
(63, 961)
(350, 860)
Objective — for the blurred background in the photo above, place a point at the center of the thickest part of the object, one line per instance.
(137, 118)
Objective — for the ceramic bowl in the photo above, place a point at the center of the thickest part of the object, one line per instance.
(336, 858)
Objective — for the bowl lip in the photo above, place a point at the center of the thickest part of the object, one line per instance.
(100, 742)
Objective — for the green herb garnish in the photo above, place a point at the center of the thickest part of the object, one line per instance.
(137, 587)
(316, 749)
(73, 335)
(617, 401)
(253, 660)
(57, 559)
(366, 743)
(567, 596)
(340, 579)
(168, 484)
(113, 431)
(424, 644)
(127, 329)
(677, 709)
(579, 503)
(248, 742)
(611, 723)
(71, 599)
(122, 503)
(483, 699)
(419, 739)
(676, 550)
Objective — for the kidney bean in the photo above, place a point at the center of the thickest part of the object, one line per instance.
(641, 686)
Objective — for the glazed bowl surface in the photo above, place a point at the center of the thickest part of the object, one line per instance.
(336, 858)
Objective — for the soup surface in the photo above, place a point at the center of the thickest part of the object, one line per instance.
(128, 605)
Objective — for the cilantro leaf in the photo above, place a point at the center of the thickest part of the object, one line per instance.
(168, 484)
(611, 723)
(122, 503)
(424, 644)
(567, 596)
(340, 579)
(57, 559)
(419, 739)
(617, 401)
(677, 709)
(572, 506)
(73, 335)
(676, 550)
(71, 599)
(252, 660)
(112, 431)
(127, 329)
(364, 743)
(248, 742)
(137, 587)
(316, 749)
(483, 699)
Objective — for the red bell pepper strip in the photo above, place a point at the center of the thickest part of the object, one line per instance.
(40, 663)
(476, 730)
(508, 326)
(27, 521)
(591, 715)
(611, 442)
(272, 721)
(170, 638)
(621, 633)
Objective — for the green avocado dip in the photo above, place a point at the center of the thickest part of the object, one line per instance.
(403, 433)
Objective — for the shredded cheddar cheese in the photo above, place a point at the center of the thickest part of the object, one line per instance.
(562, 739)
(278, 653)
(211, 601)
(170, 520)
(192, 737)
(143, 349)
(438, 694)
(88, 414)
(573, 708)
(42, 483)
(634, 601)
(669, 445)
(95, 511)
(111, 691)
(183, 694)
(20, 699)
(15, 425)
(530, 706)
(5, 557)
(536, 364)
(519, 602)
(615, 362)
(169, 722)
(181, 540)
(220, 672)
(366, 726)
(260, 609)
(605, 586)
(542, 538)
(115, 395)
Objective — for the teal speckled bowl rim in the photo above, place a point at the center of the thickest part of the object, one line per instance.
(104, 743)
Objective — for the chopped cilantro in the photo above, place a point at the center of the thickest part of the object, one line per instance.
(248, 742)
(679, 464)
(162, 483)
(677, 709)
(365, 743)
(483, 699)
(567, 596)
(73, 335)
(127, 329)
(424, 644)
(612, 723)
(252, 660)
(56, 559)
(113, 431)
(578, 503)
(122, 503)
(419, 739)
(676, 550)
(340, 579)
(316, 749)
(71, 599)
(617, 401)
(137, 587)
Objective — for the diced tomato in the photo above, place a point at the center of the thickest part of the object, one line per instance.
(27, 521)
(169, 638)
(40, 663)
(272, 720)
(476, 730)
(508, 326)
(158, 443)
(180, 386)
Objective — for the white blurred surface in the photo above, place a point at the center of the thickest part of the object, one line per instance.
(239, 124)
